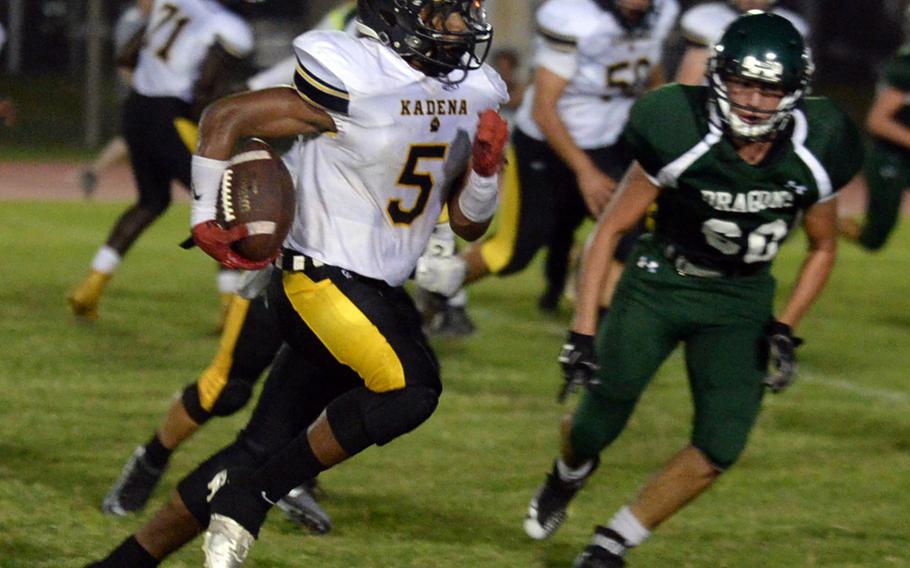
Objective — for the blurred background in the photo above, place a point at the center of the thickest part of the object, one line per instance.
(57, 63)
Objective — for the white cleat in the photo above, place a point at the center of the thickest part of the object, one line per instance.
(226, 543)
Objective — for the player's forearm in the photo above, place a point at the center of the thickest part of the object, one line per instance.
(890, 130)
(692, 69)
(812, 279)
(559, 139)
(595, 268)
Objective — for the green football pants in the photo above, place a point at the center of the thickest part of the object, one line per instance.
(720, 322)
(888, 175)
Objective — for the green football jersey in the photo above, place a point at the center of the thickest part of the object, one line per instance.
(715, 208)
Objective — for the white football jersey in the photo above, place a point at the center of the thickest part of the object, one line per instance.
(128, 25)
(606, 66)
(369, 195)
(177, 39)
(705, 23)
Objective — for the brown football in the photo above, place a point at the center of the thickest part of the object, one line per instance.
(257, 190)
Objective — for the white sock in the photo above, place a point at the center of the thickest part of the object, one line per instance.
(566, 473)
(625, 523)
(106, 260)
(460, 299)
(229, 281)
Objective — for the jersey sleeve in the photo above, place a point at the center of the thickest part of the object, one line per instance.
(557, 39)
(646, 134)
(234, 35)
(840, 148)
(500, 90)
(699, 27)
(897, 71)
(320, 68)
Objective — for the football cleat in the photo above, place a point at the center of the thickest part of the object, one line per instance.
(606, 551)
(452, 322)
(134, 486)
(301, 507)
(226, 543)
(84, 299)
(547, 509)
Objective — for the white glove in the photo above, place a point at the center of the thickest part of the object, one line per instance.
(440, 274)
(253, 282)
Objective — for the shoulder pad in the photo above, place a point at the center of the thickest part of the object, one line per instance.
(652, 144)
(500, 91)
(704, 24)
(834, 139)
(565, 22)
(329, 65)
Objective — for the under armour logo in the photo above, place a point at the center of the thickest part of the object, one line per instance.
(215, 484)
(646, 263)
(797, 188)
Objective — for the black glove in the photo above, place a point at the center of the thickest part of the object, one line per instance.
(782, 350)
(579, 366)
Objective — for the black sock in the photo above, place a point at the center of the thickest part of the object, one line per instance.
(129, 554)
(156, 455)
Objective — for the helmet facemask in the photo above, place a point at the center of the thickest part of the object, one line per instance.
(436, 36)
(782, 64)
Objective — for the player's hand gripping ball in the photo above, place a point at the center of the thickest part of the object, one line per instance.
(489, 143)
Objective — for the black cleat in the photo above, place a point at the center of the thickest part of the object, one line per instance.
(134, 486)
(451, 322)
(606, 552)
(300, 506)
(547, 509)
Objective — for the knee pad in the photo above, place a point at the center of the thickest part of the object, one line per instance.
(234, 397)
(360, 417)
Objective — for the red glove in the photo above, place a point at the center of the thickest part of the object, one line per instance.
(492, 133)
(216, 241)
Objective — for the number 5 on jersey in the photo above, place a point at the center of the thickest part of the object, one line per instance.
(412, 177)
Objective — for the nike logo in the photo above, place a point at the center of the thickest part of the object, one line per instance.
(196, 196)
(266, 498)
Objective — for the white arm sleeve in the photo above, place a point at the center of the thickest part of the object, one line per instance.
(206, 174)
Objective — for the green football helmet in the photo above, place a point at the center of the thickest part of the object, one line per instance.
(766, 48)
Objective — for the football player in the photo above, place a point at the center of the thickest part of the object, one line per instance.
(592, 60)
(128, 32)
(249, 343)
(888, 167)
(746, 159)
(182, 36)
(401, 105)
(703, 24)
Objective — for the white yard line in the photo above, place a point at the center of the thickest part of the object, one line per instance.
(841, 384)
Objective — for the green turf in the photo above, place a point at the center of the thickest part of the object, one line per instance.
(824, 482)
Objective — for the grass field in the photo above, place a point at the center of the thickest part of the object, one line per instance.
(824, 482)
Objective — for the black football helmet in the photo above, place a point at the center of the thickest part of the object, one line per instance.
(641, 16)
(410, 28)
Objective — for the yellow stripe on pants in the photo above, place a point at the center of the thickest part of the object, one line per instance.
(345, 330)
(213, 379)
(497, 251)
